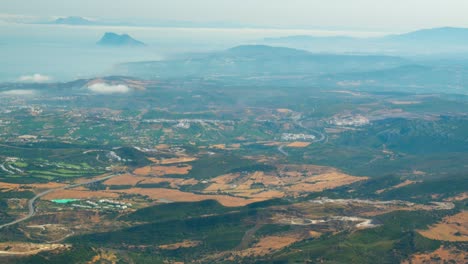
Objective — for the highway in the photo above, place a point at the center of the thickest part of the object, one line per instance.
(32, 210)
(281, 150)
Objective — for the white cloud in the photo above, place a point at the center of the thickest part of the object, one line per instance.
(19, 92)
(35, 78)
(104, 88)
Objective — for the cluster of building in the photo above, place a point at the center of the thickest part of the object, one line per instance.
(357, 120)
(102, 204)
(183, 124)
(293, 137)
(189, 121)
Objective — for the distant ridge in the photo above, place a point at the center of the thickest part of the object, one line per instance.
(424, 41)
(116, 40)
(73, 20)
(257, 60)
(445, 34)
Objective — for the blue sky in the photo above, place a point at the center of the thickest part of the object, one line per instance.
(392, 15)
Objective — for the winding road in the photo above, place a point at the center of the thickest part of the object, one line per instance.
(32, 210)
(319, 136)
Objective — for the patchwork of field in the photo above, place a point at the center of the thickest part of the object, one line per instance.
(287, 180)
(452, 228)
(180, 196)
(156, 182)
(7, 187)
(233, 189)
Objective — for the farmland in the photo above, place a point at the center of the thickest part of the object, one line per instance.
(201, 171)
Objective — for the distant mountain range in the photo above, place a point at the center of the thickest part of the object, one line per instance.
(444, 34)
(257, 60)
(267, 65)
(116, 40)
(73, 20)
(426, 41)
(77, 20)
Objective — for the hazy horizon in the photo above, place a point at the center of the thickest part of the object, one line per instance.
(393, 16)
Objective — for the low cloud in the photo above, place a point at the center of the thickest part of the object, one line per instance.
(13, 18)
(35, 78)
(19, 92)
(104, 88)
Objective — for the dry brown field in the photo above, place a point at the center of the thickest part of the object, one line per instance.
(451, 228)
(79, 194)
(298, 144)
(283, 110)
(460, 197)
(162, 170)
(125, 179)
(18, 248)
(267, 245)
(183, 244)
(179, 196)
(441, 255)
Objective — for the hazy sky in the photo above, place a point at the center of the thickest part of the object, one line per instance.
(359, 14)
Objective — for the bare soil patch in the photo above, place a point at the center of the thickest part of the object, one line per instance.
(5, 187)
(292, 180)
(125, 179)
(104, 256)
(177, 160)
(163, 170)
(18, 248)
(441, 255)
(267, 245)
(283, 110)
(460, 197)
(173, 182)
(179, 196)
(298, 144)
(322, 182)
(452, 228)
(218, 146)
(162, 146)
(403, 184)
(183, 244)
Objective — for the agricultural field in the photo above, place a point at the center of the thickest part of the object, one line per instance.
(194, 169)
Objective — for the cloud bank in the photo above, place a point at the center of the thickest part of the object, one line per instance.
(19, 92)
(35, 78)
(104, 88)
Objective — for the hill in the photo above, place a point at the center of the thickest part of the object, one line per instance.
(113, 39)
(257, 60)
